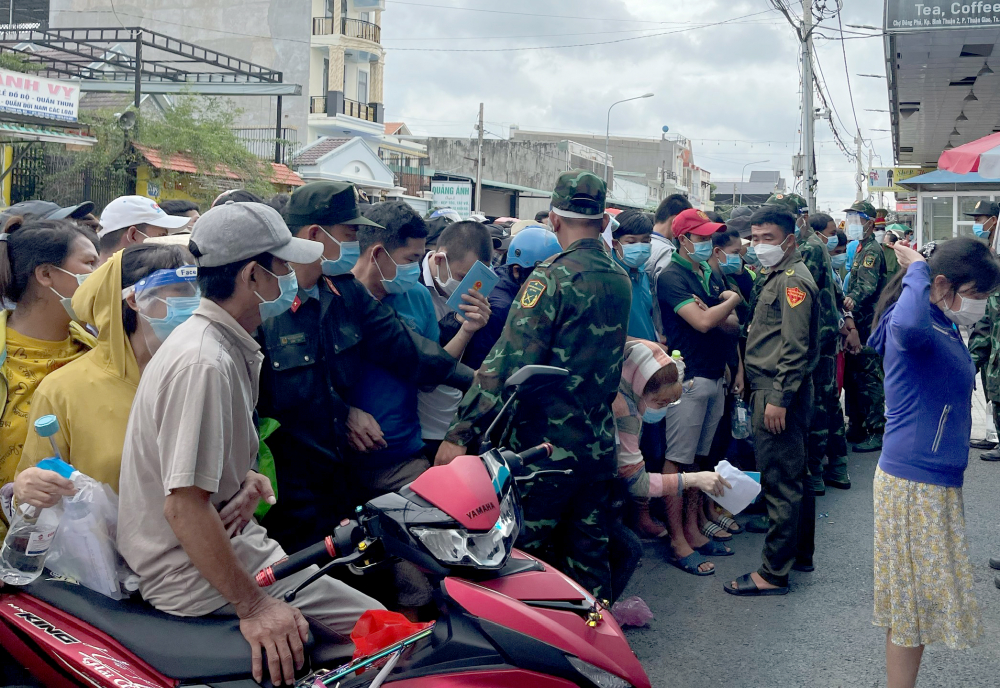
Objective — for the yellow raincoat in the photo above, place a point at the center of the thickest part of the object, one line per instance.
(91, 397)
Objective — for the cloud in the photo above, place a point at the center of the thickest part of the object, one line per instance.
(732, 88)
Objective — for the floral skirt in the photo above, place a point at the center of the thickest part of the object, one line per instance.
(923, 577)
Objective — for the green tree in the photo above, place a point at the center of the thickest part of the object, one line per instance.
(200, 128)
(13, 62)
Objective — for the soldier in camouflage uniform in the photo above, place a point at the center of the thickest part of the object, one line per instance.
(827, 413)
(863, 376)
(573, 313)
(984, 345)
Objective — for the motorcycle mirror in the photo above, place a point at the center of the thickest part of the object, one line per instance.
(538, 374)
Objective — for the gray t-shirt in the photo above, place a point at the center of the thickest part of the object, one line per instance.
(191, 425)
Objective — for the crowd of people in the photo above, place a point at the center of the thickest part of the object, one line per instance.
(165, 341)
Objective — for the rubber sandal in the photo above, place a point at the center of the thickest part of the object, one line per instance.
(727, 524)
(747, 588)
(652, 538)
(711, 530)
(715, 549)
(690, 564)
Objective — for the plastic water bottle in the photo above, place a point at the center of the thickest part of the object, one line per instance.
(32, 530)
(741, 420)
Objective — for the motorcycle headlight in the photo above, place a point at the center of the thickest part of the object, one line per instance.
(459, 547)
(599, 677)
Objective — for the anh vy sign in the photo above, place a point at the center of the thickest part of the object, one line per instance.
(27, 94)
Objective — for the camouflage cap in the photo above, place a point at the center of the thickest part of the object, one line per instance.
(862, 207)
(790, 201)
(579, 194)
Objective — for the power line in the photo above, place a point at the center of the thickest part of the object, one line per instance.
(847, 75)
(547, 16)
(538, 35)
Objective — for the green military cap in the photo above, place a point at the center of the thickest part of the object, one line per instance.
(863, 207)
(790, 201)
(324, 203)
(985, 208)
(579, 194)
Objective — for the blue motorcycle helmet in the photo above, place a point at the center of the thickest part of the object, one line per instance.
(531, 246)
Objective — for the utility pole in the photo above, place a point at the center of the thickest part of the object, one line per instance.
(479, 164)
(808, 114)
(861, 169)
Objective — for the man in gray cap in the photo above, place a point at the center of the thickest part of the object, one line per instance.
(191, 446)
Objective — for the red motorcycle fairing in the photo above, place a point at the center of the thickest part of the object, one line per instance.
(514, 678)
(83, 652)
(463, 489)
(603, 646)
(539, 586)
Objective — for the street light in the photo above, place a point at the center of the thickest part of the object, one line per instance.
(759, 162)
(607, 135)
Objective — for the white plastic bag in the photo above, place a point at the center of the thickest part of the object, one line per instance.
(84, 547)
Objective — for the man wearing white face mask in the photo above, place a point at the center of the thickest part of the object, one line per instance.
(863, 378)
(316, 353)
(782, 351)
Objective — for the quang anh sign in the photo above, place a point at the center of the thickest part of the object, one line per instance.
(920, 15)
(27, 94)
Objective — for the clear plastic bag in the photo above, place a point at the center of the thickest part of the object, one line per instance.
(84, 547)
(631, 611)
(741, 420)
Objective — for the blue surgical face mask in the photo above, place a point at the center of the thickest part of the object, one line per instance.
(350, 251)
(732, 265)
(855, 232)
(654, 415)
(289, 286)
(636, 255)
(798, 233)
(179, 309)
(313, 292)
(407, 277)
(751, 256)
(701, 252)
(978, 230)
(839, 262)
(832, 243)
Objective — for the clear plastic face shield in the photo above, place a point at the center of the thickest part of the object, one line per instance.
(164, 300)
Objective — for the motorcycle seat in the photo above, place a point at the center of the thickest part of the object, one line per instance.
(202, 648)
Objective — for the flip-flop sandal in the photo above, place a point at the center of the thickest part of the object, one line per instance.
(715, 549)
(652, 538)
(727, 524)
(690, 564)
(747, 588)
(711, 530)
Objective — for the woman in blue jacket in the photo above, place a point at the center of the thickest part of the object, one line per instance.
(923, 578)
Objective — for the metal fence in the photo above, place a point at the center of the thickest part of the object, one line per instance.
(41, 174)
(261, 141)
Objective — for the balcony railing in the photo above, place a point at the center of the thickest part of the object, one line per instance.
(351, 28)
(359, 110)
(261, 142)
(317, 105)
(355, 28)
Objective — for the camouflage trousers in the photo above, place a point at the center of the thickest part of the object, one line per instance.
(827, 436)
(865, 392)
(566, 525)
(781, 460)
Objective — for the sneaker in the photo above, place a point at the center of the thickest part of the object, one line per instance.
(871, 444)
(990, 455)
(982, 444)
(759, 524)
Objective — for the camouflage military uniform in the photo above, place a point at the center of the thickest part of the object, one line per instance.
(984, 345)
(573, 313)
(863, 376)
(782, 352)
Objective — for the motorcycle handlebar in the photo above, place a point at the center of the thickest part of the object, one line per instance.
(542, 451)
(321, 551)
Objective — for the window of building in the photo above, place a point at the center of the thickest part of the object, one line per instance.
(362, 86)
(329, 7)
(366, 17)
(326, 75)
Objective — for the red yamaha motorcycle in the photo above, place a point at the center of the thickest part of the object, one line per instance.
(507, 620)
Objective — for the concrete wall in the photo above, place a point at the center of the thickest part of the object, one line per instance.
(524, 163)
(273, 34)
(644, 156)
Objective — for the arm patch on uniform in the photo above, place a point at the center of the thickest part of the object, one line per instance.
(533, 291)
(869, 261)
(795, 296)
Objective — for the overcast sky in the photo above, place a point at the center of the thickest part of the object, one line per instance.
(732, 88)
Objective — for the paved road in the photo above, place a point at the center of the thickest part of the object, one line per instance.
(820, 634)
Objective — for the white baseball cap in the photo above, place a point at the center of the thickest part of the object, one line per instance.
(126, 211)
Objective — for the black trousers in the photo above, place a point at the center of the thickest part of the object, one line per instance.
(781, 460)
